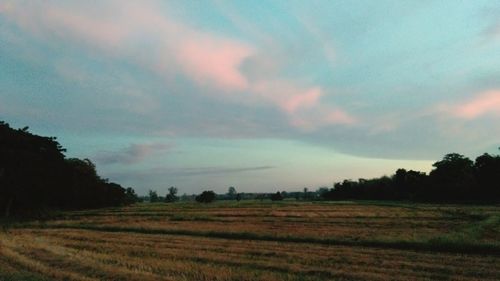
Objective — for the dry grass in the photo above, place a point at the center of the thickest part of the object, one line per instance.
(86, 248)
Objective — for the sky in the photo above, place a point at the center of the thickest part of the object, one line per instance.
(259, 95)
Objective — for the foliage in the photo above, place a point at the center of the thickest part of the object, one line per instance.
(172, 195)
(131, 196)
(455, 178)
(276, 196)
(36, 175)
(153, 196)
(206, 197)
(231, 192)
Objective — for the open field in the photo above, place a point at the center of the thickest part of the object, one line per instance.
(258, 241)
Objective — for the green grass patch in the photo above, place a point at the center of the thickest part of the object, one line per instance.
(473, 233)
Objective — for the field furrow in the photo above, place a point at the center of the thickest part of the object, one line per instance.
(288, 242)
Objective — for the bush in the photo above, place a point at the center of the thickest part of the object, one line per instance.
(277, 196)
(206, 197)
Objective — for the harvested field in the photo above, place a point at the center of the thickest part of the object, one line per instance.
(258, 241)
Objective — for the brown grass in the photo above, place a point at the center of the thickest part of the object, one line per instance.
(80, 254)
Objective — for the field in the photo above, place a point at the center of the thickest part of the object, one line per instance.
(253, 240)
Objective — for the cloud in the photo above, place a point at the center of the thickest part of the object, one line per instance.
(307, 99)
(186, 172)
(484, 103)
(320, 117)
(133, 154)
(218, 61)
(218, 170)
(491, 33)
(303, 107)
(146, 35)
(202, 56)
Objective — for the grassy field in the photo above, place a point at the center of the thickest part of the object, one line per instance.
(253, 240)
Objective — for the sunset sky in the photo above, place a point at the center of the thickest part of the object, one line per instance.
(260, 95)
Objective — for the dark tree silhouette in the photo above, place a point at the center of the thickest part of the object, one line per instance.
(35, 175)
(406, 184)
(206, 197)
(452, 179)
(231, 192)
(276, 196)
(487, 171)
(131, 196)
(455, 178)
(172, 195)
(153, 196)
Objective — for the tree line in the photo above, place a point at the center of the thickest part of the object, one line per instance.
(36, 175)
(455, 178)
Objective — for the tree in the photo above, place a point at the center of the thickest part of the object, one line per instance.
(322, 190)
(171, 196)
(36, 175)
(231, 192)
(306, 193)
(487, 170)
(276, 196)
(284, 194)
(131, 196)
(238, 197)
(260, 197)
(408, 185)
(452, 179)
(206, 197)
(153, 196)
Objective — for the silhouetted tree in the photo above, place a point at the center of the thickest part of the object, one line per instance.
(276, 196)
(35, 175)
(455, 178)
(131, 196)
(452, 179)
(238, 197)
(322, 190)
(153, 196)
(260, 197)
(487, 171)
(206, 197)
(284, 194)
(406, 184)
(231, 192)
(172, 195)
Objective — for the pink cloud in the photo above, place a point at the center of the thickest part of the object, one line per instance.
(169, 47)
(48, 21)
(105, 33)
(307, 99)
(215, 60)
(320, 117)
(285, 94)
(337, 116)
(485, 103)
(204, 57)
(302, 107)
